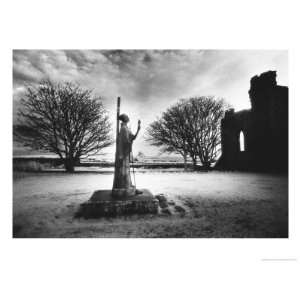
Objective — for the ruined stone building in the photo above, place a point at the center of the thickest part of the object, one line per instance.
(257, 139)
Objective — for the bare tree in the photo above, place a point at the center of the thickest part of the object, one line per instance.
(63, 119)
(191, 128)
(203, 116)
(168, 132)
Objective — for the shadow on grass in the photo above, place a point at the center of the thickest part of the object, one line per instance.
(201, 219)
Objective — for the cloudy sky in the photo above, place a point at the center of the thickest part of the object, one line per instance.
(148, 81)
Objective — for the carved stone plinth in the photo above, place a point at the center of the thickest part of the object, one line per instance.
(103, 204)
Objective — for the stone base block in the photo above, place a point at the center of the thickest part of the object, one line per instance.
(103, 204)
(121, 193)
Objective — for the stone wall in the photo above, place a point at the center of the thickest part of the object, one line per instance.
(264, 126)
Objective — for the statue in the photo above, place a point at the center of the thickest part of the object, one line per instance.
(122, 186)
(124, 198)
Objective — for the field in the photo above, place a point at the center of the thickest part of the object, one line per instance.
(205, 204)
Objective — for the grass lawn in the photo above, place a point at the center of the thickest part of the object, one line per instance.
(213, 204)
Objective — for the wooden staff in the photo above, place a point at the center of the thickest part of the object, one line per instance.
(118, 114)
(117, 132)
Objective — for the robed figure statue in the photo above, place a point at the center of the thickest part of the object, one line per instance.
(122, 186)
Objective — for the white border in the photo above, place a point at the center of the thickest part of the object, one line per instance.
(148, 269)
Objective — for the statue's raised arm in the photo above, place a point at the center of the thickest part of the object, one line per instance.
(138, 130)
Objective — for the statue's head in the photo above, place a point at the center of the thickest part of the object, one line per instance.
(124, 118)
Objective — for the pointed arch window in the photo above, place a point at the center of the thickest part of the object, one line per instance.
(242, 141)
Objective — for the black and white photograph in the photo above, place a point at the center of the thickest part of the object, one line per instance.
(149, 150)
(150, 143)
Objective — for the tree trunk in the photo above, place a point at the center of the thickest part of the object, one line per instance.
(69, 165)
(194, 163)
(206, 165)
(185, 162)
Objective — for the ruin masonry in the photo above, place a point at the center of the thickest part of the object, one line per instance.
(264, 129)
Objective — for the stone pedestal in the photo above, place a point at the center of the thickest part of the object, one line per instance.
(103, 204)
(123, 193)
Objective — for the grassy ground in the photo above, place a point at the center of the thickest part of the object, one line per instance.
(214, 204)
